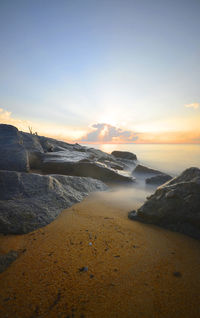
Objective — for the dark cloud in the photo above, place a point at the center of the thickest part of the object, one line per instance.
(108, 133)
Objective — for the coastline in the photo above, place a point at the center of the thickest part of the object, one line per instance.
(131, 269)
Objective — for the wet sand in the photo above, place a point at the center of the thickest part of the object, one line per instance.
(131, 269)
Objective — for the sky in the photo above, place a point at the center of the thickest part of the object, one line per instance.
(108, 71)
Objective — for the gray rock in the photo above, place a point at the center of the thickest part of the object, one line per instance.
(31, 142)
(99, 155)
(175, 205)
(158, 179)
(51, 145)
(13, 156)
(115, 166)
(140, 169)
(7, 259)
(124, 155)
(29, 201)
(84, 169)
(65, 156)
(35, 160)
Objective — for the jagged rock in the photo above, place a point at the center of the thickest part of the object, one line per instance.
(124, 155)
(84, 169)
(7, 259)
(175, 205)
(29, 201)
(158, 179)
(140, 169)
(13, 156)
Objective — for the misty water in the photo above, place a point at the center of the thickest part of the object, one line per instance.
(170, 158)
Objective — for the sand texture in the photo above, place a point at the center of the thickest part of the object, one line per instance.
(92, 261)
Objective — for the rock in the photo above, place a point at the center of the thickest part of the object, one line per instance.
(124, 155)
(84, 169)
(31, 142)
(158, 179)
(83, 269)
(30, 201)
(65, 156)
(7, 259)
(33, 152)
(99, 155)
(35, 160)
(51, 145)
(174, 205)
(13, 156)
(115, 166)
(111, 164)
(140, 169)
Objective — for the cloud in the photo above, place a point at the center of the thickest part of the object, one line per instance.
(62, 132)
(6, 118)
(108, 133)
(193, 105)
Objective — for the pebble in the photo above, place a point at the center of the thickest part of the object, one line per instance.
(83, 269)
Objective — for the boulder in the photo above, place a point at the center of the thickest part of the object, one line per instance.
(84, 169)
(158, 179)
(29, 201)
(13, 156)
(175, 205)
(124, 155)
(140, 169)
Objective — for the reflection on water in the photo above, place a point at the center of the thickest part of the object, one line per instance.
(169, 158)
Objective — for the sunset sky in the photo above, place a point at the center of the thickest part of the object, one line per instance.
(109, 71)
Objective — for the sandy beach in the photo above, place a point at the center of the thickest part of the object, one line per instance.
(92, 261)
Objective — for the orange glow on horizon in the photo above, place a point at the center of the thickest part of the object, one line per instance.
(76, 134)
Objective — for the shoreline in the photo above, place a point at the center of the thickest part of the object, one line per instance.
(131, 269)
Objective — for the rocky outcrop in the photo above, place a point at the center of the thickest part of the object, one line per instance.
(124, 155)
(22, 151)
(140, 169)
(175, 205)
(13, 156)
(29, 201)
(84, 169)
(158, 179)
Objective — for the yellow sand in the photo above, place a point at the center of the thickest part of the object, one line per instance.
(130, 273)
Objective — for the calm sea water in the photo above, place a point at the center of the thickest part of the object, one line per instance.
(169, 158)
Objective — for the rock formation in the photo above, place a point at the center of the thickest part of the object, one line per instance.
(13, 153)
(158, 179)
(29, 201)
(84, 169)
(175, 205)
(124, 155)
